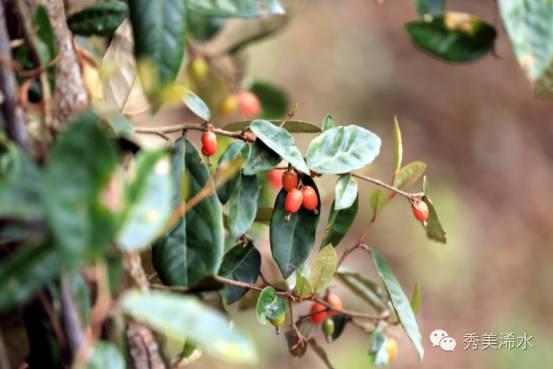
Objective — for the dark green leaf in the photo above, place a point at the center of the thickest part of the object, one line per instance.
(274, 100)
(25, 272)
(364, 288)
(434, 229)
(264, 215)
(342, 149)
(203, 27)
(409, 174)
(339, 223)
(292, 239)
(345, 192)
(528, 24)
(149, 199)
(242, 205)
(431, 7)
(105, 355)
(399, 301)
(280, 141)
(324, 267)
(398, 147)
(453, 37)
(260, 159)
(159, 29)
(79, 169)
(193, 249)
(378, 351)
(233, 152)
(45, 40)
(20, 185)
(416, 298)
(328, 123)
(99, 19)
(292, 126)
(340, 322)
(236, 8)
(184, 318)
(269, 305)
(197, 105)
(241, 263)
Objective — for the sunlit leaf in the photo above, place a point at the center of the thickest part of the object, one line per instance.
(378, 351)
(345, 192)
(416, 298)
(398, 147)
(236, 8)
(409, 174)
(377, 201)
(323, 269)
(292, 126)
(197, 105)
(434, 229)
(269, 305)
(328, 123)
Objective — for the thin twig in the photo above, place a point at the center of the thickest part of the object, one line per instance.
(70, 318)
(408, 195)
(191, 126)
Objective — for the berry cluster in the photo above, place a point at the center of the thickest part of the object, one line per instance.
(297, 197)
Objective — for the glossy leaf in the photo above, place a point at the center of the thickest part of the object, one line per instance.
(269, 305)
(409, 174)
(159, 29)
(292, 126)
(328, 123)
(345, 192)
(99, 19)
(20, 185)
(378, 351)
(342, 149)
(184, 318)
(292, 239)
(261, 158)
(236, 8)
(193, 249)
(363, 287)
(528, 24)
(398, 147)
(149, 197)
(416, 298)
(25, 272)
(340, 322)
(377, 201)
(399, 301)
(323, 269)
(339, 223)
(434, 229)
(105, 355)
(453, 37)
(241, 263)
(242, 205)
(274, 100)
(432, 7)
(79, 169)
(280, 141)
(197, 106)
(234, 151)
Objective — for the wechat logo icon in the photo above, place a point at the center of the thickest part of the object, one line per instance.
(440, 338)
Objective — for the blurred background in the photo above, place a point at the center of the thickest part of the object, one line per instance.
(487, 143)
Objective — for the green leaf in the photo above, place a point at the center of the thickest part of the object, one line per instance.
(25, 272)
(79, 169)
(345, 192)
(303, 285)
(453, 37)
(197, 105)
(416, 298)
(399, 301)
(260, 159)
(202, 27)
(378, 351)
(236, 8)
(45, 39)
(100, 19)
(340, 322)
(242, 205)
(324, 267)
(292, 239)
(193, 249)
(364, 288)
(264, 215)
(434, 229)
(292, 126)
(269, 305)
(328, 123)
(377, 201)
(105, 355)
(431, 7)
(149, 199)
(234, 151)
(184, 318)
(398, 147)
(280, 141)
(159, 29)
(20, 185)
(274, 100)
(528, 24)
(342, 150)
(339, 223)
(241, 263)
(409, 174)
(424, 184)
(254, 31)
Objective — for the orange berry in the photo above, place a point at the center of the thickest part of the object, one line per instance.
(318, 313)
(420, 210)
(289, 180)
(209, 143)
(336, 302)
(293, 201)
(310, 198)
(248, 104)
(275, 177)
(392, 349)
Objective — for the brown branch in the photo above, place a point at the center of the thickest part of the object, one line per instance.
(408, 195)
(191, 126)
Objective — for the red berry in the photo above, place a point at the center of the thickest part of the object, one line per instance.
(420, 210)
(275, 177)
(310, 198)
(289, 180)
(318, 312)
(209, 143)
(336, 302)
(293, 201)
(248, 104)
